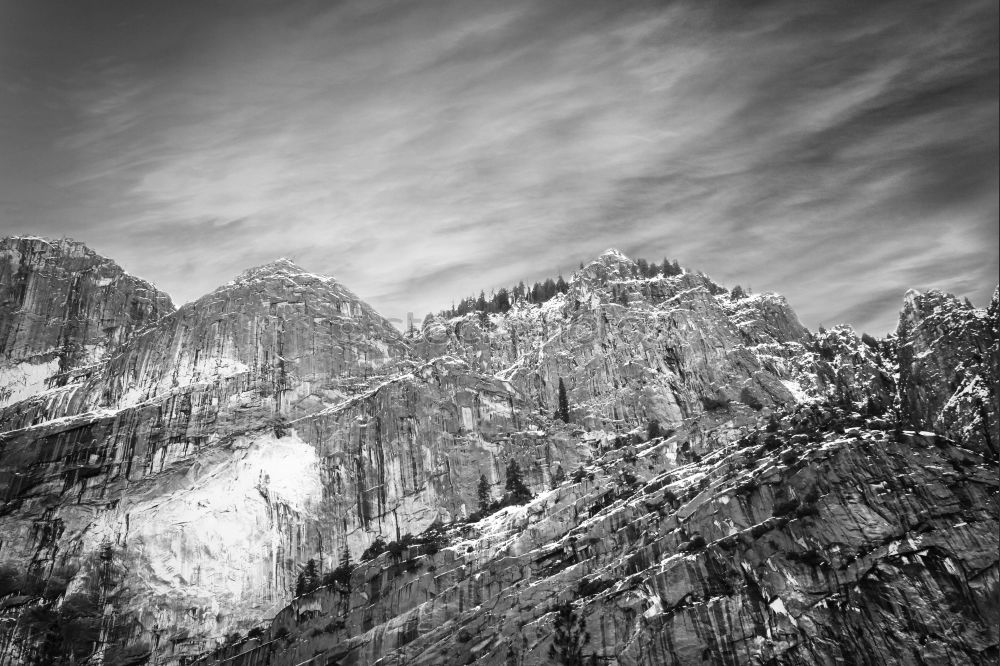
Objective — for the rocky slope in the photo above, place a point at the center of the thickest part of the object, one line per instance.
(630, 349)
(730, 488)
(948, 366)
(851, 547)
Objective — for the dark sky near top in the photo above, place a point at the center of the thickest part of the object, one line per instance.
(838, 153)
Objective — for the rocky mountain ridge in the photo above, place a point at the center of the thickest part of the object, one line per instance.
(729, 487)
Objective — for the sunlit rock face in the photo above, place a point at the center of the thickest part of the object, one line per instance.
(809, 533)
(949, 367)
(631, 349)
(779, 512)
(276, 339)
(856, 370)
(820, 529)
(844, 549)
(275, 420)
(62, 306)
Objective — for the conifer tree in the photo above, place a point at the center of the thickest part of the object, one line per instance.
(516, 490)
(502, 300)
(548, 289)
(310, 576)
(569, 638)
(341, 576)
(483, 491)
(563, 412)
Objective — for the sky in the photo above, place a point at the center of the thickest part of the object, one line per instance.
(838, 153)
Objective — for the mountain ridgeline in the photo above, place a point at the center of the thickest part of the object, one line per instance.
(504, 299)
(630, 466)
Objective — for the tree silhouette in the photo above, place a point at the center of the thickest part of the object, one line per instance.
(516, 490)
(308, 578)
(569, 638)
(484, 494)
(502, 301)
(563, 412)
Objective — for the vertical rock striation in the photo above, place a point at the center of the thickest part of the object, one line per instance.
(62, 306)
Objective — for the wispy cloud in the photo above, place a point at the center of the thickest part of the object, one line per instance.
(422, 151)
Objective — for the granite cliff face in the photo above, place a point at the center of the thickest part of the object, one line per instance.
(62, 306)
(630, 349)
(274, 420)
(730, 488)
(949, 367)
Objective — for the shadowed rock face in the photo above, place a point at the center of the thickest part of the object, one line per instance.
(779, 511)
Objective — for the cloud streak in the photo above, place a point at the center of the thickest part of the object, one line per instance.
(838, 154)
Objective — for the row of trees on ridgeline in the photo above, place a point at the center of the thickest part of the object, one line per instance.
(501, 301)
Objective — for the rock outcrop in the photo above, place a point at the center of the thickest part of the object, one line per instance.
(631, 349)
(63, 306)
(949, 368)
(730, 488)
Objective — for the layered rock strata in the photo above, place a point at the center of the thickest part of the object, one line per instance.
(849, 547)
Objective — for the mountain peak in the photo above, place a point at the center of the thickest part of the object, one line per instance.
(610, 264)
(281, 266)
(284, 281)
(55, 246)
(614, 254)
